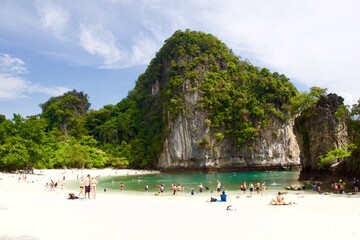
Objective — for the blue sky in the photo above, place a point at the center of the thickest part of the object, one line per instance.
(100, 47)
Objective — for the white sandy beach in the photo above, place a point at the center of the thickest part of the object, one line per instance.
(29, 212)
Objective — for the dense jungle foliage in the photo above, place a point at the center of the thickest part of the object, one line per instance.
(240, 100)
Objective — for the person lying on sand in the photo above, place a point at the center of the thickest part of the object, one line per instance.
(279, 200)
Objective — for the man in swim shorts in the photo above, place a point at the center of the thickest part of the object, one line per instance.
(87, 186)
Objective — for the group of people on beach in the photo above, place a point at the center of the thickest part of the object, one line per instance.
(88, 187)
(52, 186)
(259, 188)
(340, 187)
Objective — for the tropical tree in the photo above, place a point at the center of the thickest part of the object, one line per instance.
(62, 111)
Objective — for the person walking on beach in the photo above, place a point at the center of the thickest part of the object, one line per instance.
(122, 186)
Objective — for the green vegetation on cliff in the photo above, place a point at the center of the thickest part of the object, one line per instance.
(239, 100)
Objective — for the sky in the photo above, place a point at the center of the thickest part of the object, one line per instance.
(100, 47)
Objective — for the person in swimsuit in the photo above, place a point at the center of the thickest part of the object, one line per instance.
(179, 188)
(174, 188)
(81, 193)
(263, 187)
(251, 187)
(218, 186)
(201, 187)
(93, 183)
(279, 200)
(87, 186)
(245, 186)
(257, 185)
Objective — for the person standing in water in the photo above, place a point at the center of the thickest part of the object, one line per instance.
(257, 186)
(218, 186)
(251, 187)
(201, 188)
(263, 187)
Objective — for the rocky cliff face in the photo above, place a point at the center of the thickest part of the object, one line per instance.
(318, 131)
(190, 145)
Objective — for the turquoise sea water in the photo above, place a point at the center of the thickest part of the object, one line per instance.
(275, 181)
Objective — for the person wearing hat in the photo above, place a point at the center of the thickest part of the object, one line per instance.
(342, 185)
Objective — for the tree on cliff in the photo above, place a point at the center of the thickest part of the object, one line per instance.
(333, 158)
(354, 127)
(63, 111)
(306, 100)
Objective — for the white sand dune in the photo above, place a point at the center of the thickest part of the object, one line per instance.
(29, 212)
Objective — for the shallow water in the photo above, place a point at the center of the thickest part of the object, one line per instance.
(275, 181)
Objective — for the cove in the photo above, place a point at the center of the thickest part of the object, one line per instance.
(275, 180)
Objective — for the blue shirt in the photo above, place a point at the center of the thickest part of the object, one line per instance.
(223, 197)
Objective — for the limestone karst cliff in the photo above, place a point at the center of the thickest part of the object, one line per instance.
(215, 111)
(319, 131)
(184, 147)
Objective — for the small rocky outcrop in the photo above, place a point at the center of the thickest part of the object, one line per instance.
(319, 131)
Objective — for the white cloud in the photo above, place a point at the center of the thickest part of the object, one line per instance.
(51, 91)
(12, 66)
(53, 17)
(12, 84)
(99, 41)
(142, 50)
(12, 87)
